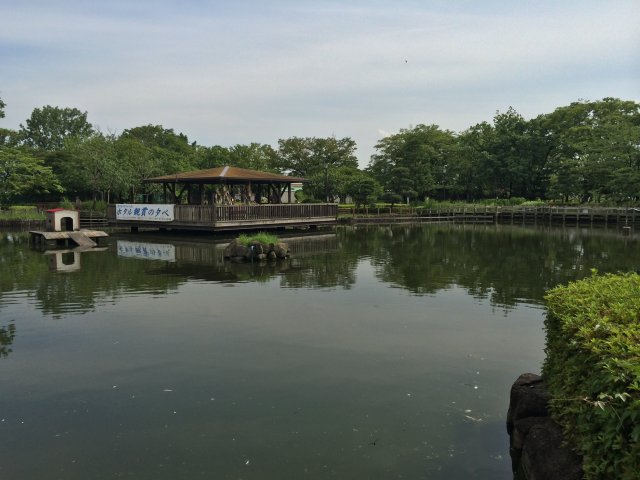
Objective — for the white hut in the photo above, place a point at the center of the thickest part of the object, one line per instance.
(61, 220)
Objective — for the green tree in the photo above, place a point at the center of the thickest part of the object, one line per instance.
(509, 145)
(9, 138)
(415, 162)
(318, 159)
(21, 173)
(254, 156)
(94, 168)
(595, 150)
(48, 127)
(2, 107)
(210, 157)
(469, 170)
(136, 162)
(362, 188)
(171, 152)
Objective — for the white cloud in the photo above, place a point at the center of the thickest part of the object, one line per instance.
(238, 72)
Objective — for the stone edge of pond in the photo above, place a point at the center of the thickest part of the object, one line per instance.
(537, 445)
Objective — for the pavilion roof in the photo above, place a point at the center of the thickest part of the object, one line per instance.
(225, 175)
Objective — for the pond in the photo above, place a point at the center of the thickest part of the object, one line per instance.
(373, 353)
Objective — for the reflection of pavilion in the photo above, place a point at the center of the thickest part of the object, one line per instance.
(205, 261)
(207, 254)
(224, 198)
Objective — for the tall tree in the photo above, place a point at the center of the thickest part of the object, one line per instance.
(362, 188)
(94, 168)
(171, 152)
(317, 158)
(210, 157)
(595, 150)
(470, 173)
(21, 173)
(2, 107)
(137, 161)
(9, 138)
(254, 156)
(415, 162)
(48, 127)
(519, 155)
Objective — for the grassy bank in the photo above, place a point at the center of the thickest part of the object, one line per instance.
(21, 213)
(593, 371)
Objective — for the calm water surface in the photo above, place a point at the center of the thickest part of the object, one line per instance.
(375, 353)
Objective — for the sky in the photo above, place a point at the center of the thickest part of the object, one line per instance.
(234, 72)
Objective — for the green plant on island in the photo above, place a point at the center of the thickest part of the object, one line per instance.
(261, 237)
(592, 369)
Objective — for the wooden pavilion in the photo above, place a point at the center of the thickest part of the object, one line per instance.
(227, 186)
(224, 198)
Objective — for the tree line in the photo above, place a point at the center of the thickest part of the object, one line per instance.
(588, 151)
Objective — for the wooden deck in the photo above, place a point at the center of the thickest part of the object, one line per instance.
(238, 217)
(81, 238)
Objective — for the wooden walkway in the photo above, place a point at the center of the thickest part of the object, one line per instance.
(518, 214)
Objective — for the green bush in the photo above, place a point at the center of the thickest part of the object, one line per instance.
(99, 208)
(67, 204)
(262, 237)
(593, 371)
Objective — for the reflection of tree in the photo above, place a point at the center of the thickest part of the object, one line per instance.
(327, 270)
(103, 277)
(505, 264)
(7, 334)
(318, 265)
(229, 272)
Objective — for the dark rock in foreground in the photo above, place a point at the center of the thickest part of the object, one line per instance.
(537, 443)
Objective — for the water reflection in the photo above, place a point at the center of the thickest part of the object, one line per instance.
(507, 264)
(7, 335)
(373, 362)
(503, 263)
(146, 250)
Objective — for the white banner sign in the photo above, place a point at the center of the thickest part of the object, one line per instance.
(149, 251)
(145, 212)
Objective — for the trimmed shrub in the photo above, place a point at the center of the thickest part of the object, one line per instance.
(593, 371)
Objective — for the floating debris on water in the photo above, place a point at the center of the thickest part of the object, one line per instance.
(473, 419)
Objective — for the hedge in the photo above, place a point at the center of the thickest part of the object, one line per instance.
(592, 368)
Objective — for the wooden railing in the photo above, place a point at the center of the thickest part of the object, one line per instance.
(195, 214)
(577, 214)
(273, 212)
(217, 214)
(490, 210)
